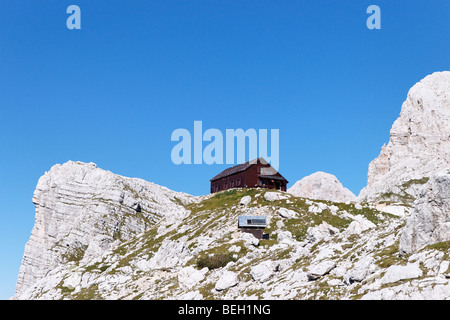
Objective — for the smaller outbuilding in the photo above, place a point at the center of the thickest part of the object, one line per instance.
(253, 224)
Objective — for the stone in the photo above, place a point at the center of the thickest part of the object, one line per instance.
(397, 272)
(429, 221)
(72, 281)
(285, 237)
(189, 277)
(81, 209)
(170, 254)
(320, 269)
(264, 271)
(275, 196)
(358, 225)
(321, 186)
(245, 200)
(227, 280)
(191, 295)
(322, 231)
(361, 270)
(287, 213)
(249, 239)
(397, 210)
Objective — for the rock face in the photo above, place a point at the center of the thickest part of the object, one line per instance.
(419, 144)
(81, 210)
(429, 222)
(321, 186)
(345, 251)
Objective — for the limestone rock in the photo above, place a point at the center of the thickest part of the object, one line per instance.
(245, 200)
(358, 225)
(285, 237)
(264, 271)
(322, 231)
(249, 239)
(396, 273)
(188, 277)
(274, 196)
(429, 222)
(361, 270)
(287, 213)
(419, 144)
(133, 248)
(170, 254)
(321, 186)
(81, 210)
(227, 280)
(322, 268)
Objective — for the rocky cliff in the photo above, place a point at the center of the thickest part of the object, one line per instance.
(103, 236)
(419, 144)
(82, 210)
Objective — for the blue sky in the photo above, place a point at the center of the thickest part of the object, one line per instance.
(113, 92)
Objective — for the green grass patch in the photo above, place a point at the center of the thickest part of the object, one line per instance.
(390, 256)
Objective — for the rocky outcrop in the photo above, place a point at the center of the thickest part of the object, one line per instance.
(419, 144)
(343, 251)
(81, 210)
(227, 279)
(429, 221)
(321, 186)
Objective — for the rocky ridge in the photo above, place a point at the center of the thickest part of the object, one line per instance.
(317, 249)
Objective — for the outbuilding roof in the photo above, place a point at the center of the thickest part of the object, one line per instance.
(252, 221)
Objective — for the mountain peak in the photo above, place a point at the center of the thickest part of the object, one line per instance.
(321, 186)
(419, 143)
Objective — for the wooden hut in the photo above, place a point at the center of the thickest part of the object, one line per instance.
(252, 174)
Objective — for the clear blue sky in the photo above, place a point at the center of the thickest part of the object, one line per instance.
(113, 92)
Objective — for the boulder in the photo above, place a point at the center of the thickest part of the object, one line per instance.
(285, 237)
(264, 271)
(169, 255)
(362, 268)
(287, 213)
(274, 196)
(245, 200)
(227, 280)
(322, 231)
(396, 273)
(249, 239)
(189, 277)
